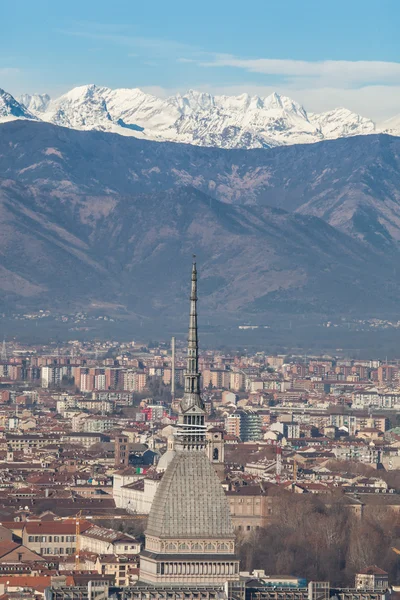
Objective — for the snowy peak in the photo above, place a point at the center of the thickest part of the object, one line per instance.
(391, 126)
(37, 103)
(82, 107)
(195, 117)
(341, 122)
(10, 109)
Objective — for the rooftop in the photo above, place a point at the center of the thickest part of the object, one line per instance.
(190, 501)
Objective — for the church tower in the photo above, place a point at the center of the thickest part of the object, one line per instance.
(190, 538)
(216, 449)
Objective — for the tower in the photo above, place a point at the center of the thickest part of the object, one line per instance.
(121, 451)
(190, 428)
(216, 449)
(215, 445)
(190, 539)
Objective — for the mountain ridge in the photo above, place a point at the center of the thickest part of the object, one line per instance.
(197, 117)
(337, 180)
(92, 217)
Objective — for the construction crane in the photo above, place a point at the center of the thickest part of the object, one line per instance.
(78, 540)
(396, 550)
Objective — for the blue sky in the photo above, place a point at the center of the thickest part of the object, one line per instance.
(323, 53)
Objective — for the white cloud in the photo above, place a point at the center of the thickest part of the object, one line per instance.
(318, 73)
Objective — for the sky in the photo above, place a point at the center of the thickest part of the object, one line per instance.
(322, 53)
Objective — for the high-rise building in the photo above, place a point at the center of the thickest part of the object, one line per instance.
(232, 425)
(190, 538)
(250, 426)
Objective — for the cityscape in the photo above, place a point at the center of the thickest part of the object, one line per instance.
(129, 471)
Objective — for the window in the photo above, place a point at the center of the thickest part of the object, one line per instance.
(56, 538)
(30, 538)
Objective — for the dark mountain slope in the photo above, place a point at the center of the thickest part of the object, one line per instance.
(134, 251)
(352, 183)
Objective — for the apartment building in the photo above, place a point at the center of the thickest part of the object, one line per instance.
(30, 441)
(51, 537)
(84, 439)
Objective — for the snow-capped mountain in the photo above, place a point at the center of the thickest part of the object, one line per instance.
(197, 118)
(36, 102)
(341, 122)
(10, 109)
(391, 126)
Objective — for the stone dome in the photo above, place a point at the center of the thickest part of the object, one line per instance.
(190, 501)
(165, 461)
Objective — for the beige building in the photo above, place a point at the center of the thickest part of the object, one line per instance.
(250, 507)
(372, 579)
(84, 439)
(232, 425)
(237, 381)
(118, 566)
(51, 537)
(100, 540)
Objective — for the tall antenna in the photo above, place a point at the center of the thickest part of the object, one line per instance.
(4, 351)
(173, 368)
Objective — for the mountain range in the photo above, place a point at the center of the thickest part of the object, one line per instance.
(90, 218)
(195, 118)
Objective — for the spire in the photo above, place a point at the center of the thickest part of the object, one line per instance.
(193, 343)
(192, 376)
(190, 428)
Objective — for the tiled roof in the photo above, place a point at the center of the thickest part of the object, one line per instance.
(54, 527)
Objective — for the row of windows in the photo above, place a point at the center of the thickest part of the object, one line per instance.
(60, 550)
(241, 501)
(196, 546)
(51, 538)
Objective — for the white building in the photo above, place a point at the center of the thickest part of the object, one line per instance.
(100, 540)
